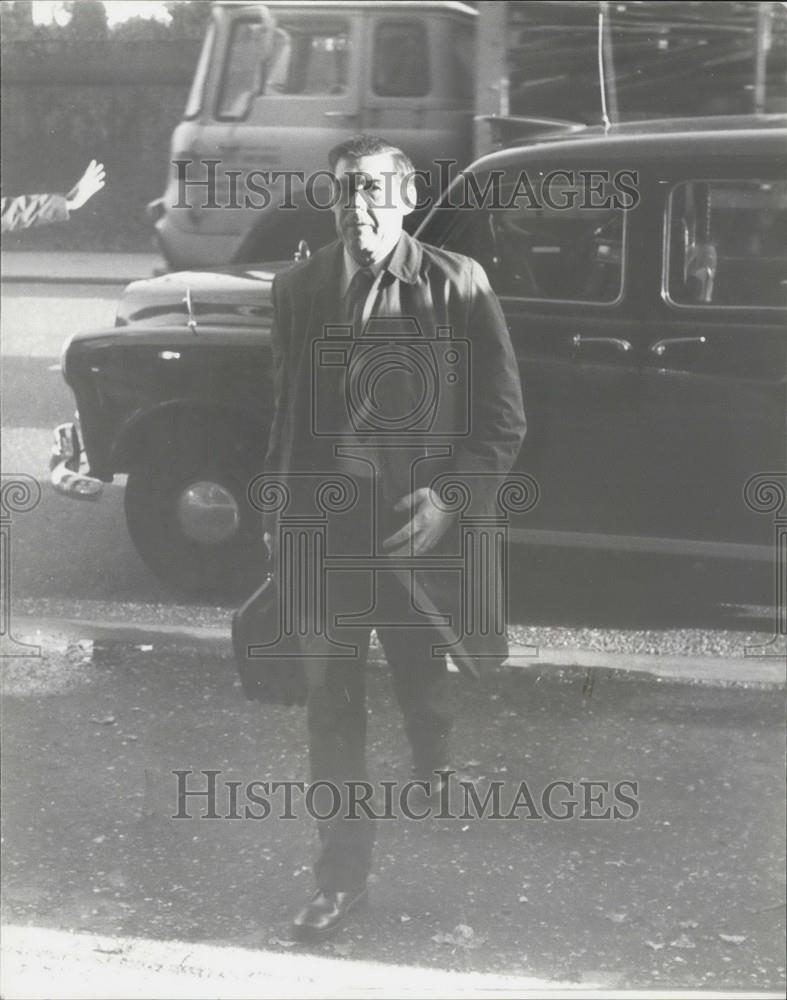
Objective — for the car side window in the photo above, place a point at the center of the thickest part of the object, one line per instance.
(400, 64)
(727, 243)
(566, 247)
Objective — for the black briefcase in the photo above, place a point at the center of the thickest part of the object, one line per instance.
(269, 663)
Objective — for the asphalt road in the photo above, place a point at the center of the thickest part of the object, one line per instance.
(684, 893)
(61, 549)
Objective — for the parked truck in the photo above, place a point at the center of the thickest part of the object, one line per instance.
(278, 84)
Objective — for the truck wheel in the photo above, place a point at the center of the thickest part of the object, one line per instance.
(190, 520)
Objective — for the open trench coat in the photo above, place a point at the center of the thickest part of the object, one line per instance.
(464, 447)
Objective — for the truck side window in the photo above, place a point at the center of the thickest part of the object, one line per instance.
(463, 55)
(728, 243)
(307, 60)
(400, 63)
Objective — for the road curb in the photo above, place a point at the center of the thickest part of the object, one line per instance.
(51, 268)
(744, 671)
(37, 279)
(739, 671)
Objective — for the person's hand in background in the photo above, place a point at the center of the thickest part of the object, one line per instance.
(88, 184)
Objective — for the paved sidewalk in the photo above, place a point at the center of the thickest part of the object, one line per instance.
(57, 964)
(40, 962)
(77, 267)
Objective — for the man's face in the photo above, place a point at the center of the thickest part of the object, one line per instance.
(373, 203)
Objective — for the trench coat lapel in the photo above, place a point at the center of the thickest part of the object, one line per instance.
(322, 301)
(320, 305)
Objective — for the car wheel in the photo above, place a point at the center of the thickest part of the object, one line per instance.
(190, 520)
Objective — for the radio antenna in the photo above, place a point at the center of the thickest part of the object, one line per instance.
(603, 53)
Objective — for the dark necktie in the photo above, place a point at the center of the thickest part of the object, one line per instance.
(391, 398)
(355, 299)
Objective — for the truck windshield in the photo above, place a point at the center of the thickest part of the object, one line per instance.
(305, 59)
(194, 102)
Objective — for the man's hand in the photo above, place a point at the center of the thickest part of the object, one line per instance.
(428, 524)
(88, 184)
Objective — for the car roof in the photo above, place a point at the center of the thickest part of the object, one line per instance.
(720, 135)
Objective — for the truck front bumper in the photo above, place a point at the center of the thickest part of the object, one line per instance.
(68, 467)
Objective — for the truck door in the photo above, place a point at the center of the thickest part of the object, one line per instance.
(282, 95)
(305, 93)
(418, 84)
(197, 226)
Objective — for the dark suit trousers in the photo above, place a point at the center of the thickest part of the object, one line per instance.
(337, 720)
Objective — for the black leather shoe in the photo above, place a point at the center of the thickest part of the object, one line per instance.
(325, 914)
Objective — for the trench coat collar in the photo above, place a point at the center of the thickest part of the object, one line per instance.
(405, 263)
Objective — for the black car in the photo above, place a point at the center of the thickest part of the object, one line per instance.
(643, 273)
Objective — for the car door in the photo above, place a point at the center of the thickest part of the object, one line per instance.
(561, 275)
(713, 395)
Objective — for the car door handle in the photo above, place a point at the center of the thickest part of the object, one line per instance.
(660, 346)
(340, 114)
(618, 342)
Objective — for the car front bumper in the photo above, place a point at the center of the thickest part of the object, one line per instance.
(68, 466)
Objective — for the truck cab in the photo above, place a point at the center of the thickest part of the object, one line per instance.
(276, 86)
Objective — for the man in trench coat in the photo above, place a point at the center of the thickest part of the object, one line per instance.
(359, 328)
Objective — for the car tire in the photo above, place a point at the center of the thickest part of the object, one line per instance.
(190, 519)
